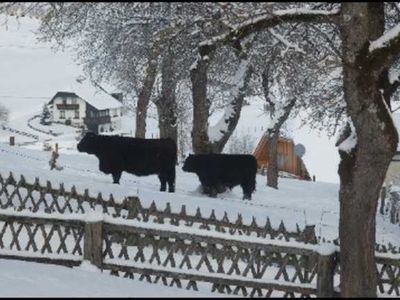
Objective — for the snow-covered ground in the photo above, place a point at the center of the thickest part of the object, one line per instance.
(27, 279)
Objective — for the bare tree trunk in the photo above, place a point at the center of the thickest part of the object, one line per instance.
(236, 104)
(274, 132)
(198, 77)
(363, 168)
(166, 103)
(272, 169)
(145, 93)
(200, 134)
(273, 137)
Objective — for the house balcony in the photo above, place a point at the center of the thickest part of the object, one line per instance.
(67, 106)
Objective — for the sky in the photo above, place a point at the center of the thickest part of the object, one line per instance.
(32, 69)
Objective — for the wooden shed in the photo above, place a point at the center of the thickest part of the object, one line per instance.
(288, 161)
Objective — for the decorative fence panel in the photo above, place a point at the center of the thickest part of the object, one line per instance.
(37, 197)
(192, 259)
(47, 240)
(388, 273)
(228, 265)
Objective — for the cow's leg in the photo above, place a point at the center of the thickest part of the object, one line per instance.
(116, 176)
(213, 191)
(171, 180)
(246, 196)
(221, 188)
(206, 189)
(163, 180)
(248, 188)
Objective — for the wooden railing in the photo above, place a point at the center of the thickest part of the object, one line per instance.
(44, 197)
(189, 258)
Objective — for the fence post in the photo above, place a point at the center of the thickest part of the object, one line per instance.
(326, 272)
(133, 206)
(308, 235)
(12, 140)
(93, 243)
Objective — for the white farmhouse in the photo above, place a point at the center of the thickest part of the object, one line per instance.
(83, 104)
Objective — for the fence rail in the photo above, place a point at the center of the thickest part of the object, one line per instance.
(131, 248)
(44, 197)
(33, 136)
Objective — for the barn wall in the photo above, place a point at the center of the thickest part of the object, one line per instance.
(288, 161)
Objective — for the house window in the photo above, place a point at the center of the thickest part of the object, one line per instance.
(76, 114)
(62, 114)
(103, 113)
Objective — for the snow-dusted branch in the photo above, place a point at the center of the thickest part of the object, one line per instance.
(386, 39)
(284, 41)
(347, 139)
(280, 116)
(265, 22)
(216, 132)
(385, 50)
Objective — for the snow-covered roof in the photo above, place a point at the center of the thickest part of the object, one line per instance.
(93, 95)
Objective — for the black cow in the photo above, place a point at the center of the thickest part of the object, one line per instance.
(137, 156)
(217, 171)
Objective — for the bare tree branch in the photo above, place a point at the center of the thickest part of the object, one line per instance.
(261, 23)
(385, 50)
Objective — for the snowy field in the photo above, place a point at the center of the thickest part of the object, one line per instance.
(27, 279)
(295, 202)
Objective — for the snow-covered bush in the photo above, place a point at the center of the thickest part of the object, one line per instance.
(241, 144)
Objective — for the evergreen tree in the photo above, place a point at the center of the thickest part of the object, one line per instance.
(45, 117)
